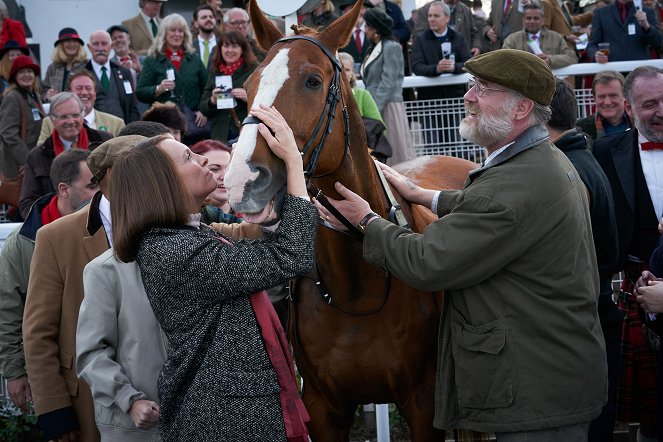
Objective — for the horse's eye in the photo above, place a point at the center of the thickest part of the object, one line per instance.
(313, 82)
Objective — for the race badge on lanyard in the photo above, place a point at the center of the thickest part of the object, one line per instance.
(127, 87)
(35, 114)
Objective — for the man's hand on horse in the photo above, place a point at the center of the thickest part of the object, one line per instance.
(352, 207)
(407, 188)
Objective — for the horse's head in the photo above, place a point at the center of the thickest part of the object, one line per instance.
(302, 80)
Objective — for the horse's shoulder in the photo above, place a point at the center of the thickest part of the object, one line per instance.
(437, 172)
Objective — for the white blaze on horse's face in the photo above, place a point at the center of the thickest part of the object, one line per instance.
(246, 192)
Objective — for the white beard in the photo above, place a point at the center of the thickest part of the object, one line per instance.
(487, 130)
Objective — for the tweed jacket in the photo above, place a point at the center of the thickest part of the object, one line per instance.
(520, 345)
(102, 121)
(141, 36)
(55, 291)
(18, 106)
(462, 20)
(14, 272)
(120, 347)
(190, 80)
(37, 178)
(218, 382)
(118, 101)
(382, 72)
(426, 53)
(221, 119)
(54, 77)
(551, 43)
(607, 26)
(504, 24)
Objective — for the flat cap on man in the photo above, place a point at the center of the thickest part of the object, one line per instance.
(102, 158)
(517, 70)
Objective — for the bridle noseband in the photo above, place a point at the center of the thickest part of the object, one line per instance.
(333, 97)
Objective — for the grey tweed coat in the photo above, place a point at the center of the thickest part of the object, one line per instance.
(218, 383)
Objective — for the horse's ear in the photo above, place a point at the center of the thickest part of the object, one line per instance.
(338, 34)
(265, 31)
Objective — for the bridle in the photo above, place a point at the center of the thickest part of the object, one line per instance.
(326, 117)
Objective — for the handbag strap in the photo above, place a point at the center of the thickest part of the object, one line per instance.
(24, 121)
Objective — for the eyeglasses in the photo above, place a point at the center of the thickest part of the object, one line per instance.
(238, 23)
(66, 117)
(480, 88)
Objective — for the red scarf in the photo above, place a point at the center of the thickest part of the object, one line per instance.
(295, 415)
(175, 57)
(294, 412)
(50, 213)
(82, 142)
(229, 69)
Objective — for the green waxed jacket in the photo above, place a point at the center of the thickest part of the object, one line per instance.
(222, 119)
(189, 80)
(520, 345)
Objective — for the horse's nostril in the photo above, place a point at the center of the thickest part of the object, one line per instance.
(263, 180)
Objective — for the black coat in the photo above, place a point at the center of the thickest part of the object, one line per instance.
(427, 51)
(37, 179)
(575, 146)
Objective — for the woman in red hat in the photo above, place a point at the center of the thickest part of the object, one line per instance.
(68, 56)
(8, 53)
(20, 116)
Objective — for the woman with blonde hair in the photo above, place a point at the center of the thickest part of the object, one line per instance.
(8, 53)
(172, 71)
(68, 56)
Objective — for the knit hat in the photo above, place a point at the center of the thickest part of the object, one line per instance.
(23, 62)
(517, 70)
(377, 19)
(13, 44)
(68, 34)
(102, 158)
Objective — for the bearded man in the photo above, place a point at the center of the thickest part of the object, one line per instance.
(521, 352)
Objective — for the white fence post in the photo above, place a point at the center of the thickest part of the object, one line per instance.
(382, 422)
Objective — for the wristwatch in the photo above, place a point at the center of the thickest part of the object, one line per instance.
(364, 221)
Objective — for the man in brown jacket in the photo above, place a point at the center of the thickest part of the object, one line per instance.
(55, 291)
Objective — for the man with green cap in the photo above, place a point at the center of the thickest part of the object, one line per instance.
(521, 352)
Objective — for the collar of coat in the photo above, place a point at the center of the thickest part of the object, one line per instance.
(528, 139)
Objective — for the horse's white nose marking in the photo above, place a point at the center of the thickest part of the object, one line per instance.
(272, 78)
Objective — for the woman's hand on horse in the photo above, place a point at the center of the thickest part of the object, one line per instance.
(352, 207)
(407, 188)
(282, 143)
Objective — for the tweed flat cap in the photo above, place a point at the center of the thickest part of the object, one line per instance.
(102, 158)
(518, 70)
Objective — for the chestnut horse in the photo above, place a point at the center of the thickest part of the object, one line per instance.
(371, 339)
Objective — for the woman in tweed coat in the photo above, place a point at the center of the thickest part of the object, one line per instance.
(221, 381)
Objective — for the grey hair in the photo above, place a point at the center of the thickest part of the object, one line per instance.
(445, 7)
(4, 12)
(645, 71)
(60, 98)
(344, 57)
(167, 23)
(541, 114)
(226, 16)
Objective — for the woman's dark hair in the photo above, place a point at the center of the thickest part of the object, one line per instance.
(564, 107)
(232, 37)
(204, 146)
(145, 191)
(167, 114)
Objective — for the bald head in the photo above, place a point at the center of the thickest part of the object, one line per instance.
(100, 46)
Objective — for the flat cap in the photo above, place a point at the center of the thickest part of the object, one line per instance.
(114, 28)
(102, 158)
(518, 70)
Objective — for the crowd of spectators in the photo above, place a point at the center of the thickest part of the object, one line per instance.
(184, 78)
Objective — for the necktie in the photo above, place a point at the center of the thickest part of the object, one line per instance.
(650, 145)
(507, 5)
(104, 80)
(154, 27)
(205, 52)
(358, 40)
